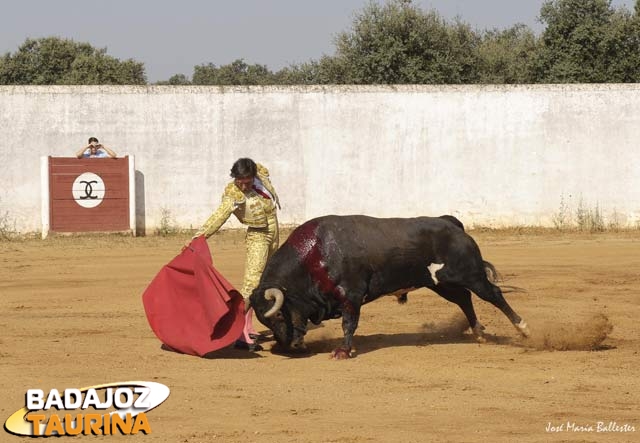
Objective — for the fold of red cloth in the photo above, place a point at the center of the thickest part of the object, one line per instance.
(190, 306)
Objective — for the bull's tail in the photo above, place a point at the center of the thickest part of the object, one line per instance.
(494, 277)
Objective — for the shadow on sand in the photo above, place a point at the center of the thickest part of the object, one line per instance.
(230, 352)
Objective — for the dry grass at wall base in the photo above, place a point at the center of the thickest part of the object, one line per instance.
(7, 227)
(586, 218)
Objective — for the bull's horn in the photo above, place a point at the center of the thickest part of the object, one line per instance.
(271, 294)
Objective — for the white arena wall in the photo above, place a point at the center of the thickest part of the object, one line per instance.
(490, 155)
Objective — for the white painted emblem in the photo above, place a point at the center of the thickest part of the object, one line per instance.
(433, 268)
(88, 190)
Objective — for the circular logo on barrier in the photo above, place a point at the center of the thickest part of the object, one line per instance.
(88, 190)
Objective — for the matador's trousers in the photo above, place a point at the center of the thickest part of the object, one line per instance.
(261, 243)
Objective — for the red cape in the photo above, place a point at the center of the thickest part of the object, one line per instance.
(190, 306)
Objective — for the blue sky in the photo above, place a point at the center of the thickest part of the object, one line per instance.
(171, 37)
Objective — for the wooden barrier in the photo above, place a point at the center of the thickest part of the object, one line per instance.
(88, 195)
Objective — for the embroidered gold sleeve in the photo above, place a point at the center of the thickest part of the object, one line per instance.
(261, 170)
(217, 219)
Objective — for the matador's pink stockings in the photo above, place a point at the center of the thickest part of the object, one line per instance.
(248, 327)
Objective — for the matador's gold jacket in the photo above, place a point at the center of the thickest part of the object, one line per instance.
(250, 209)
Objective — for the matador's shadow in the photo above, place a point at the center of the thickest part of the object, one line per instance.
(230, 352)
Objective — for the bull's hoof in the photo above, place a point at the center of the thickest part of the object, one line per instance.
(341, 354)
(478, 333)
(523, 329)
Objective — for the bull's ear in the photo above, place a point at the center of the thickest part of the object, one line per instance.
(318, 316)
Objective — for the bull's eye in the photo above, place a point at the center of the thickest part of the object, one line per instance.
(278, 315)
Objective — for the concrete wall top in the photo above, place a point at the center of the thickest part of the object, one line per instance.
(333, 89)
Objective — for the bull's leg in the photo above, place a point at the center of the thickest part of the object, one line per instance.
(492, 293)
(350, 320)
(462, 297)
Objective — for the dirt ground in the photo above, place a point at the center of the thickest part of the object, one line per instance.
(72, 317)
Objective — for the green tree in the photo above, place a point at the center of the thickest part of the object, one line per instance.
(177, 79)
(621, 44)
(300, 74)
(327, 70)
(506, 55)
(56, 61)
(399, 43)
(574, 45)
(236, 73)
(588, 41)
(101, 69)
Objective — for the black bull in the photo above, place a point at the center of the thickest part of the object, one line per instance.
(330, 266)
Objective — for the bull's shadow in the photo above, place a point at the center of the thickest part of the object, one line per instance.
(369, 343)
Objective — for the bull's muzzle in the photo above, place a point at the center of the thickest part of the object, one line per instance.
(298, 345)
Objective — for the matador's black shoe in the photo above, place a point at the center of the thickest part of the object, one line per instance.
(259, 338)
(251, 347)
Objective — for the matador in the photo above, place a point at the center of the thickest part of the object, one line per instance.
(253, 200)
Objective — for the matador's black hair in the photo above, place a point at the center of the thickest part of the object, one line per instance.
(244, 167)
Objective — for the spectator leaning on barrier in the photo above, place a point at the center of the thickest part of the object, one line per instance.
(253, 200)
(95, 150)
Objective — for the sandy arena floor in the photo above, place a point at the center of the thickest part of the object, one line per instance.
(72, 316)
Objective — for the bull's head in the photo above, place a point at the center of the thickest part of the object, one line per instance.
(287, 324)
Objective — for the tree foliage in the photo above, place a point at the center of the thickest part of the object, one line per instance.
(176, 80)
(56, 61)
(587, 41)
(506, 56)
(327, 70)
(622, 48)
(399, 43)
(236, 73)
(573, 48)
(395, 42)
